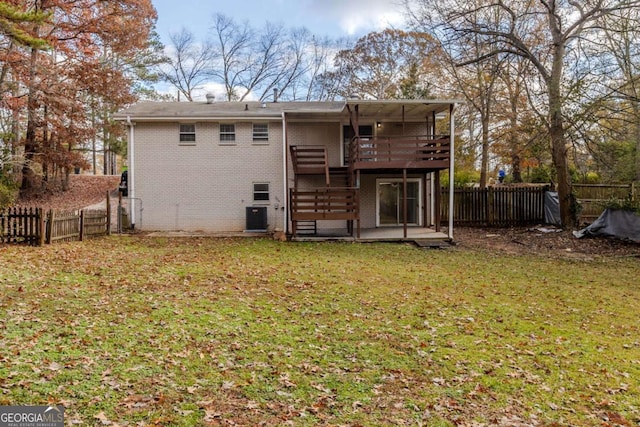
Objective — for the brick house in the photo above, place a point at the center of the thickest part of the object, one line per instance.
(361, 168)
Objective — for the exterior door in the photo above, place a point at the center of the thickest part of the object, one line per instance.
(365, 132)
(391, 202)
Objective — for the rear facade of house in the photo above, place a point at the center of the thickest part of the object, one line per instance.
(305, 168)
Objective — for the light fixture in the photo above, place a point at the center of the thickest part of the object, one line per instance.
(378, 125)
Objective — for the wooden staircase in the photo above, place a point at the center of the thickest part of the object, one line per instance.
(306, 228)
(309, 160)
(336, 201)
(339, 177)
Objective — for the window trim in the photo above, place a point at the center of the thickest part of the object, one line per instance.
(267, 192)
(261, 137)
(182, 133)
(227, 133)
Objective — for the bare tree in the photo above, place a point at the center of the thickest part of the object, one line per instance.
(254, 62)
(189, 64)
(233, 41)
(513, 113)
(316, 55)
(547, 33)
(622, 34)
(478, 82)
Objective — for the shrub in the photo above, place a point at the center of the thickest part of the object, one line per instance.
(627, 204)
(8, 193)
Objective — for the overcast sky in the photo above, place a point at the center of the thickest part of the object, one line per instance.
(333, 18)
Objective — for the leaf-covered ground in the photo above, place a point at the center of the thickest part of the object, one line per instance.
(84, 190)
(142, 331)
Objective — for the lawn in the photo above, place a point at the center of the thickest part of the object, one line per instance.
(192, 332)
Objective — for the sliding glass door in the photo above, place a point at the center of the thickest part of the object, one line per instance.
(391, 202)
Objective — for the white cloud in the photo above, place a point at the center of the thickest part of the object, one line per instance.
(359, 16)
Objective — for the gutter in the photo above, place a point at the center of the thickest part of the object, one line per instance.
(452, 129)
(131, 171)
(285, 173)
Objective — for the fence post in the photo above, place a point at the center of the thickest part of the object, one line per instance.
(41, 229)
(81, 225)
(119, 213)
(51, 216)
(108, 214)
(490, 205)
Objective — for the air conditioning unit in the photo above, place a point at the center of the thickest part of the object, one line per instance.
(256, 218)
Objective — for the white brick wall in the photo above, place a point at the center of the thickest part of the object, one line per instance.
(206, 186)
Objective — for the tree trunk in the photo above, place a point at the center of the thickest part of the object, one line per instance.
(513, 133)
(516, 172)
(484, 160)
(556, 124)
(30, 144)
(636, 115)
(560, 160)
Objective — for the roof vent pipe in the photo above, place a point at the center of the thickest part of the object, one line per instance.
(210, 98)
(275, 94)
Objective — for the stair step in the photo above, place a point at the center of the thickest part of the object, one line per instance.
(339, 177)
(307, 228)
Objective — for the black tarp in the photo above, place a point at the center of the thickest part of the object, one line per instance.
(552, 208)
(617, 223)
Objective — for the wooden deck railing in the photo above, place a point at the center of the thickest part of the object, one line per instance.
(324, 204)
(401, 153)
(309, 160)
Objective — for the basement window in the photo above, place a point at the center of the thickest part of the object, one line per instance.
(261, 192)
(187, 134)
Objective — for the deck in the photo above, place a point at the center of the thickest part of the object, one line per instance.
(416, 153)
(381, 234)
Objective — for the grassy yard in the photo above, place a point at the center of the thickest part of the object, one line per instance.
(192, 332)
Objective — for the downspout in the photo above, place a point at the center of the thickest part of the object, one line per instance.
(433, 180)
(452, 155)
(285, 174)
(131, 172)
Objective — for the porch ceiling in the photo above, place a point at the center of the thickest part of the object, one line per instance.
(392, 110)
(384, 110)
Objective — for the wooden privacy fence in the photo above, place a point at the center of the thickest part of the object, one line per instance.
(33, 226)
(21, 225)
(495, 206)
(592, 197)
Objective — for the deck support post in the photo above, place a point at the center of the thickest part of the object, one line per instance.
(438, 198)
(405, 207)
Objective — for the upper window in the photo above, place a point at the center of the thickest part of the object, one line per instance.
(261, 132)
(187, 133)
(227, 132)
(260, 191)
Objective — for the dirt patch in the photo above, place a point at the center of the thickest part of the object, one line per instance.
(541, 241)
(84, 190)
